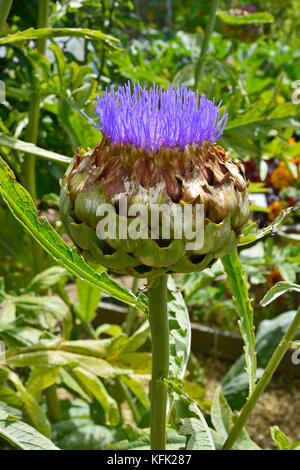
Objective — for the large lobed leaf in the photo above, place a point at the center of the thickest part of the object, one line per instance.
(189, 419)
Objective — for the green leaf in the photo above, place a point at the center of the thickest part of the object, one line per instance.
(32, 149)
(282, 441)
(89, 298)
(137, 389)
(46, 279)
(279, 289)
(258, 123)
(48, 33)
(41, 378)
(69, 379)
(251, 18)
(82, 434)
(23, 208)
(222, 419)
(56, 358)
(46, 311)
(35, 412)
(136, 340)
(10, 397)
(102, 348)
(235, 276)
(21, 435)
(192, 282)
(96, 387)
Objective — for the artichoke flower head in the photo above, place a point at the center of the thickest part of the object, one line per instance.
(157, 150)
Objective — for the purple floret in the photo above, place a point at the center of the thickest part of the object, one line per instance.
(157, 118)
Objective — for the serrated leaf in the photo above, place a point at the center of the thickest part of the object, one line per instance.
(235, 276)
(279, 289)
(23, 208)
(198, 431)
(189, 419)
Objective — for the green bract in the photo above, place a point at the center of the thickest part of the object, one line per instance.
(171, 179)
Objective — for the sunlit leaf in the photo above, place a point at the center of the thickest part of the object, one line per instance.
(279, 289)
(48, 33)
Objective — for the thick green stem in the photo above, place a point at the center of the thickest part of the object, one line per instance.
(208, 32)
(53, 405)
(263, 382)
(158, 319)
(5, 6)
(32, 129)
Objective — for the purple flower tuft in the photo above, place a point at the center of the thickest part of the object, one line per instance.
(155, 118)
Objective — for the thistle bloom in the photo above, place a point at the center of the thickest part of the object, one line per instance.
(158, 147)
(155, 119)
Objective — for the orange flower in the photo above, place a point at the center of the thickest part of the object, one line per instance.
(274, 209)
(274, 277)
(292, 141)
(281, 177)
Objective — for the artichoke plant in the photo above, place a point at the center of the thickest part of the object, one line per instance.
(157, 151)
(158, 147)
